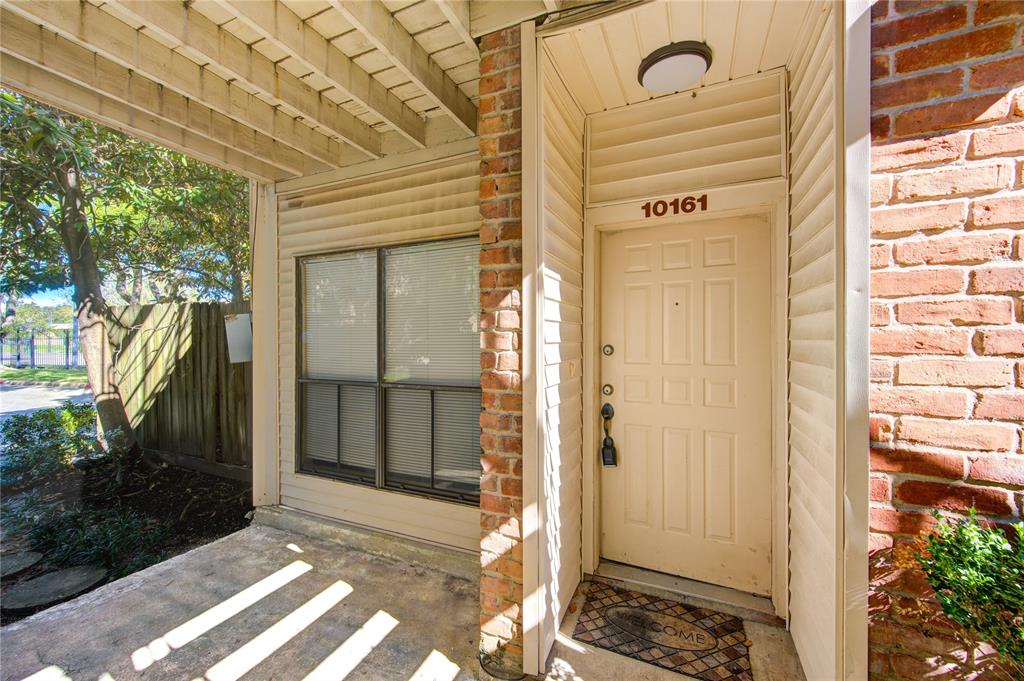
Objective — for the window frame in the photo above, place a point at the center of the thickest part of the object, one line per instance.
(380, 386)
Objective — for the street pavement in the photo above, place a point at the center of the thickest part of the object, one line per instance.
(25, 399)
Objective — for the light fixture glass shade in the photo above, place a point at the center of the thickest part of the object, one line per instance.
(674, 67)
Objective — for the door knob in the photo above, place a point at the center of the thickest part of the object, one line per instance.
(609, 457)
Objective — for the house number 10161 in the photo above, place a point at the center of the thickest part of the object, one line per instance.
(687, 204)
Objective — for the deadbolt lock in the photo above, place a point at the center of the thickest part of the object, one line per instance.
(608, 350)
(607, 389)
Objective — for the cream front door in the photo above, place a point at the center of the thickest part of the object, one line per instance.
(686, 311)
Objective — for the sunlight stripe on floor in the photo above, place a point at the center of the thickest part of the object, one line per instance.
(159, 648)
(51, 673)
(356, 647)
(264, 645)
(436, 667)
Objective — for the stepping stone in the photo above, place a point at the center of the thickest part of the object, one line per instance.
(52, 588)
(13, 563)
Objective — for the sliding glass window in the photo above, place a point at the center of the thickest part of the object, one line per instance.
(389, 373)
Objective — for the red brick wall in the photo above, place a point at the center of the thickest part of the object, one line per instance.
(947, 311)
(501, 276)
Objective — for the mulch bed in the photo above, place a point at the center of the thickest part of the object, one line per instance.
(195, 508)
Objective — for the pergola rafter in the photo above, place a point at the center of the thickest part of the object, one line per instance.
(271, 88)
(99, 31)
(180, 24)
(279, 25)
(457, 14)
(34, 45)
(82, 101)
(385, 33)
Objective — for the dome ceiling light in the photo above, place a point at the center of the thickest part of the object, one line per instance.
(674, 67)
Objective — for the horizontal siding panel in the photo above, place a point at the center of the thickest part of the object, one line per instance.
(561, 338)
(728, 133)
(812, 348)
(708, 99)
(555, 353)
(647, 165)
(565, 279)
(805, 401)
(362, 204)
(817, 273)
(662, 181)
(380, 210)
(712, 131)
(438, 200)
(815, 351)
(813, 300)
(428, 220)
(392, 183)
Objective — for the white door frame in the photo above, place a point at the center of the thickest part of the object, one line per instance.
(764, 197)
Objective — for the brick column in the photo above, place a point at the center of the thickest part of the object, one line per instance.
(501, 276)
(947, 225)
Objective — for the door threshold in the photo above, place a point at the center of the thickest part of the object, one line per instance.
(731, 601)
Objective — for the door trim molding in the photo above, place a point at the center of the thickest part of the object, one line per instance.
(766, 198)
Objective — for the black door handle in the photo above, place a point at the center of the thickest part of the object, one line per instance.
(609, 457)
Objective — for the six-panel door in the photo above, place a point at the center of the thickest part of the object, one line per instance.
(687, 309)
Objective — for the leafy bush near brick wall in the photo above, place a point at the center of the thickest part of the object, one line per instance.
(977, 574)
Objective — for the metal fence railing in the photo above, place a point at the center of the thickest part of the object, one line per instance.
(40, 350)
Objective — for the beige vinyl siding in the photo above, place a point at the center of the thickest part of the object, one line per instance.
(562, 344)
(725, 134)
(812, 349)
(433, 200)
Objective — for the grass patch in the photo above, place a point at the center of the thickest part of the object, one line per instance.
(44, 375)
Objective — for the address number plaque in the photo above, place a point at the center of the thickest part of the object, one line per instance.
(684, 204)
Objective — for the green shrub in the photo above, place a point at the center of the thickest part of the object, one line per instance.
(118, 539)
(978, 577)
(44, 443)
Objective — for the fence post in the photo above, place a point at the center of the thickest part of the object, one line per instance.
(32, 350)
(67, 349)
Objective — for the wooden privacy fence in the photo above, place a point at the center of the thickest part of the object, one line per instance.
(184, 398)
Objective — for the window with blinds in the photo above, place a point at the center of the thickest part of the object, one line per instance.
(389, 385)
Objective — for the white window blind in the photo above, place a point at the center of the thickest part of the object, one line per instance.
(358, 427)
(457, 441)
(432, 305)
(431, 423)
(409, 436)
(320, 423)
(339, 317)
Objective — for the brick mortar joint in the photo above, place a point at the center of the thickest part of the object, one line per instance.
(966, 29)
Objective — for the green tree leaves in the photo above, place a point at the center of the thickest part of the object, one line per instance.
(164, 226)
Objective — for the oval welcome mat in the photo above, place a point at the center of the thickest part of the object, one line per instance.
(700, 642)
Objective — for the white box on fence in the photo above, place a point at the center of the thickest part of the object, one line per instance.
(239, 330)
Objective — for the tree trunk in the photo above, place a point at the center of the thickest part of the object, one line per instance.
(91, 312)
(136, 286)
(237, 287)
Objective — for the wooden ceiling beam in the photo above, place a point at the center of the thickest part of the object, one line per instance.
(34, 45)
(457, 14)
(51, 89)
(199, 34)
(99, 31)
(386, 34)
(208, 42)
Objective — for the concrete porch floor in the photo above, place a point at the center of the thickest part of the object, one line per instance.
(265, 603)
